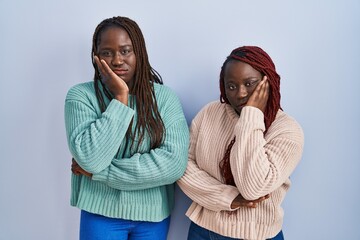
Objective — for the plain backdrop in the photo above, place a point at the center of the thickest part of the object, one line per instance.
(45, 49)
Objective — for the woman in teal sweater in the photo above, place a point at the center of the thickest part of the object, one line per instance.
(128, 137)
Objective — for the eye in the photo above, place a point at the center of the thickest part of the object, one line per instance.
(231, 86)
(251, 83)
(106, 53)
(126, 51)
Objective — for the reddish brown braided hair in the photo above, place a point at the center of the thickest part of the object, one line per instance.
(261, 61)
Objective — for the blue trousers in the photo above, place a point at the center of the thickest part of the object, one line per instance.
(98, 227)
(200, 233)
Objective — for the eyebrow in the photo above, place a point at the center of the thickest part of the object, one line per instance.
(127, 45)
(252, 78)
(122, 46)
(246, 79)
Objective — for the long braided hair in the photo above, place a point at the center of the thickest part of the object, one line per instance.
(261, 61)
(149, 120)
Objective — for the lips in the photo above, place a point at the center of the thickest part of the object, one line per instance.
(120, 72)
(242, 105)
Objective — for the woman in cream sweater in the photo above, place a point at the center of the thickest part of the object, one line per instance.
(243, 149)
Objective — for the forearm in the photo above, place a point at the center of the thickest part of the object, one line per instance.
(262, 164)
(206, 190)
(161, 166)
(94, 140)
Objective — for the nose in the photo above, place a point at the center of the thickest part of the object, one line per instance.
(117, 59)
(242, 91)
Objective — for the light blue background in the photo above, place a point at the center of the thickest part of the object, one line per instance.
(45, 49)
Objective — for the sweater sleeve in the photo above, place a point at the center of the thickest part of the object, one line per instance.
(261, 165)
(161, 166)
(94, 139)
(199, 185)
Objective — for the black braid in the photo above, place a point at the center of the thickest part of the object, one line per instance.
(149, 119)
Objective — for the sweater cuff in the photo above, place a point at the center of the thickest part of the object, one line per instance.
(118, 110)
(101, 176)
(253, 116)
(227, 197)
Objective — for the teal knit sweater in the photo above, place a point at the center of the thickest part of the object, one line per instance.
(136, 186)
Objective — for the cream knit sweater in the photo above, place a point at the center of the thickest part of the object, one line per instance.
(260, 165)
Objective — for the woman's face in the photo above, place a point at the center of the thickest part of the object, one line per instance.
(240, 81)
(116, 49)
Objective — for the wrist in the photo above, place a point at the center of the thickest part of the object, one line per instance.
(122, 98)
(235, 203)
